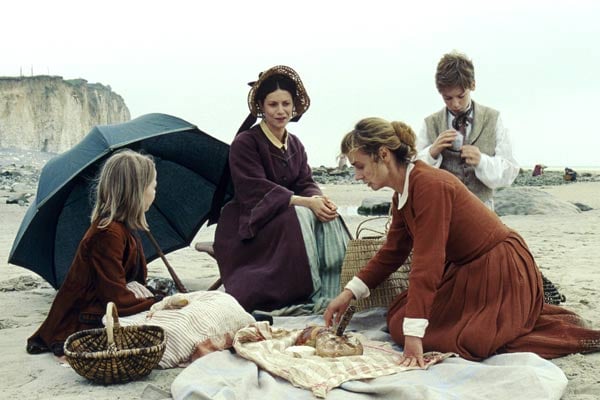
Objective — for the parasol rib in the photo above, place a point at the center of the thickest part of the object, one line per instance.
(178, 282)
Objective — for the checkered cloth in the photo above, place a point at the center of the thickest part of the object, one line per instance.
(265, 346)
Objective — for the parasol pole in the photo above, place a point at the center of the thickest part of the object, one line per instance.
(178, 283)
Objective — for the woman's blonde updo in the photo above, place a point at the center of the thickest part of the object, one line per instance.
(370, 134)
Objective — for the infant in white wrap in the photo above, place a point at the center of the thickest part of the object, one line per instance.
(195, 324)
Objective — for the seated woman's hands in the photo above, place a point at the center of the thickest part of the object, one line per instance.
(324, 209)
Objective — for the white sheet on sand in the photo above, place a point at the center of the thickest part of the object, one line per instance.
(224, 375)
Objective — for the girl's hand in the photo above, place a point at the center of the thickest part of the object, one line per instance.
(413, 352)
(337, 307)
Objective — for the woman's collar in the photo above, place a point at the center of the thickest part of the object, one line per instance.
(402, 197)
(272, 138)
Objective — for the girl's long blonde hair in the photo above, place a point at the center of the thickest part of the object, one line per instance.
(120, 190)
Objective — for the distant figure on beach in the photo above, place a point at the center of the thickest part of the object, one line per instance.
(342, 162)
(570, 175)
(538, 170)
(467, 139)
(474, 287)
(109, 264)
(279, 243)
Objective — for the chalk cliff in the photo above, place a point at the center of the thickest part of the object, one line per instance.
(51, 114)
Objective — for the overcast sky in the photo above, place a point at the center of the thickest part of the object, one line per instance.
(538, 62)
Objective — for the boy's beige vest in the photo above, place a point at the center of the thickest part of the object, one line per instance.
(483, 135)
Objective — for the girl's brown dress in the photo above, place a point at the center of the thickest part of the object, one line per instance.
(105, 261)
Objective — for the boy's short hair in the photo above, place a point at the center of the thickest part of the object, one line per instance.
(455, 69)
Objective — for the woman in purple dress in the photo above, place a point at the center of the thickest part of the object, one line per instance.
(280, 242)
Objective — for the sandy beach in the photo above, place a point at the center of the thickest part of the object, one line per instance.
(567, 248)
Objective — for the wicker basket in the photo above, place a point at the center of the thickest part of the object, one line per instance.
(358, 253)
(115, 354)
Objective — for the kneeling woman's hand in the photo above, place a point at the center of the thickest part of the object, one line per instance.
(337, 307)
(413, 352)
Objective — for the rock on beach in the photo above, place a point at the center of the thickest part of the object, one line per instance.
(519, 200)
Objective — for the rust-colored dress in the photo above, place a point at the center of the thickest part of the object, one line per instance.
(105, 261)
(472, 277)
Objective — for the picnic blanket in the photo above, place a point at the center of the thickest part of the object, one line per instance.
(225, 375)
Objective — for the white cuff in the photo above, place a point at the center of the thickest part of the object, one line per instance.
(435, 162)
(484, 163)
(414, 326)
(358, 288)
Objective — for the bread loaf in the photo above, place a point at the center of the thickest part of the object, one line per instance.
(331, 345)
(308, 336)
(328, 344)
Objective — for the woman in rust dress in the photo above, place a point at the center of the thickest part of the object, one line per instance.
(474, 287)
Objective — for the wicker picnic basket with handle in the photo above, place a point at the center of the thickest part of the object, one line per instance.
(358, 253)
(115, 354)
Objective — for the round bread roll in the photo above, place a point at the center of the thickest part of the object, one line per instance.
(308, 336)
(330, 345)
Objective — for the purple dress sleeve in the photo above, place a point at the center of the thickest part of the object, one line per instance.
(265, 178)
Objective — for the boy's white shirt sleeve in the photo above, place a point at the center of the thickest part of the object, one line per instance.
(501, 169)
(414, 326)
(358, 288)
(423, 146)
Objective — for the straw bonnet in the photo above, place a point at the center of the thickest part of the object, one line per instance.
(301, 101)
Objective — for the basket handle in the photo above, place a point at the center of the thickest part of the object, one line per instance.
(112, 322)
(360, 228)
